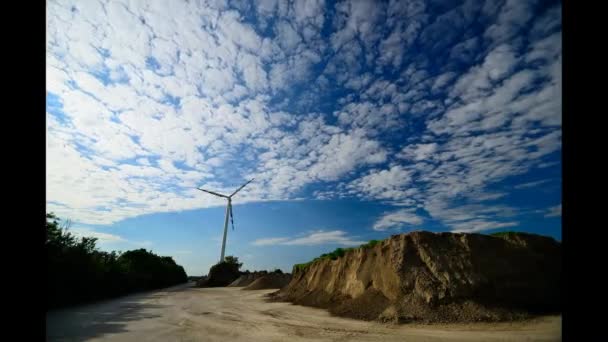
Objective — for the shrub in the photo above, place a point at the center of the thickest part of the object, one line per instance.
(500, 234)
(370, 244)
(337, 253)
(78, 272)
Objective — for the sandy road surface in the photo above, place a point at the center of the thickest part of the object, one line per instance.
(184, 313)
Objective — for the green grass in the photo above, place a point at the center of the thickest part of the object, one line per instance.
(300, 267)
(512, 233)
(370, 244)
(337, 253)
(500, 234)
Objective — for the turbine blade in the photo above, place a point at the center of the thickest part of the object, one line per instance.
(211, 192)
(242, 186)
(231, 216)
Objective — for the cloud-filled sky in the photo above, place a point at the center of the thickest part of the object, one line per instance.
(397, 115)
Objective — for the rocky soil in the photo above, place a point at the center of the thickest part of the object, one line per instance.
(436, 277)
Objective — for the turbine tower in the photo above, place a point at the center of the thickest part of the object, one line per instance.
(228, 213)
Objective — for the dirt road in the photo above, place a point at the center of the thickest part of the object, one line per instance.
(184, 313)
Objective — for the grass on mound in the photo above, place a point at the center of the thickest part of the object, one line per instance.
(502, 234)
(337, 253)
(512, 234)
(340, 252)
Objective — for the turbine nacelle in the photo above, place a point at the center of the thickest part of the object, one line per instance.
(224, 196)
(228, 212)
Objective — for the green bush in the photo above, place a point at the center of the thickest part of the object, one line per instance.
(301, 267)
(370, 244)
(78, 272)
(500, 234)
(337, 253)
(223, 273)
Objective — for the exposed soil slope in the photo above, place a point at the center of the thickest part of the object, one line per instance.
(435, 277)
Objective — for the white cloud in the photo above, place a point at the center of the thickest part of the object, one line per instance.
(548, 22)
(418, 152)
(546, 49)
(101, 237)
(396, 44)
(266, 7)
(321, 237)
(369, 117)
(442, 80)
(478, 82)
(500, 62)
(387, 184)
(288, 38)
(397, 219)
(253, 73)
(315, 238)
(269, 241)
(531, 184)
(343, 153)
(151, 105)
(465, 51)
(512, 17)
(480, 225)
(554, 211)
(356, 18)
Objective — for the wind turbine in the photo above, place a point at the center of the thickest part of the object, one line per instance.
(228, 213)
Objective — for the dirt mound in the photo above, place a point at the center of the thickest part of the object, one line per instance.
(435, 277)
(243, 280)
(220, 274)
(247, 278)
(201, 281)
(270, 281)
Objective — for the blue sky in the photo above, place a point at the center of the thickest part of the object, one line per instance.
(357, 119)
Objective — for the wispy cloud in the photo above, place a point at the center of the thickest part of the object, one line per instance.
(100, 236)
(554, 211)
(531, 184)
(398, 219)
(270, 241)
(418, 152)
(480, 225)
(315, 238)
(107, 238)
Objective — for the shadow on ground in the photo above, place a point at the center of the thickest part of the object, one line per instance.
(91, 321)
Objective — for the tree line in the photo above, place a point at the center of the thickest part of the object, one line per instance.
(78, 272)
